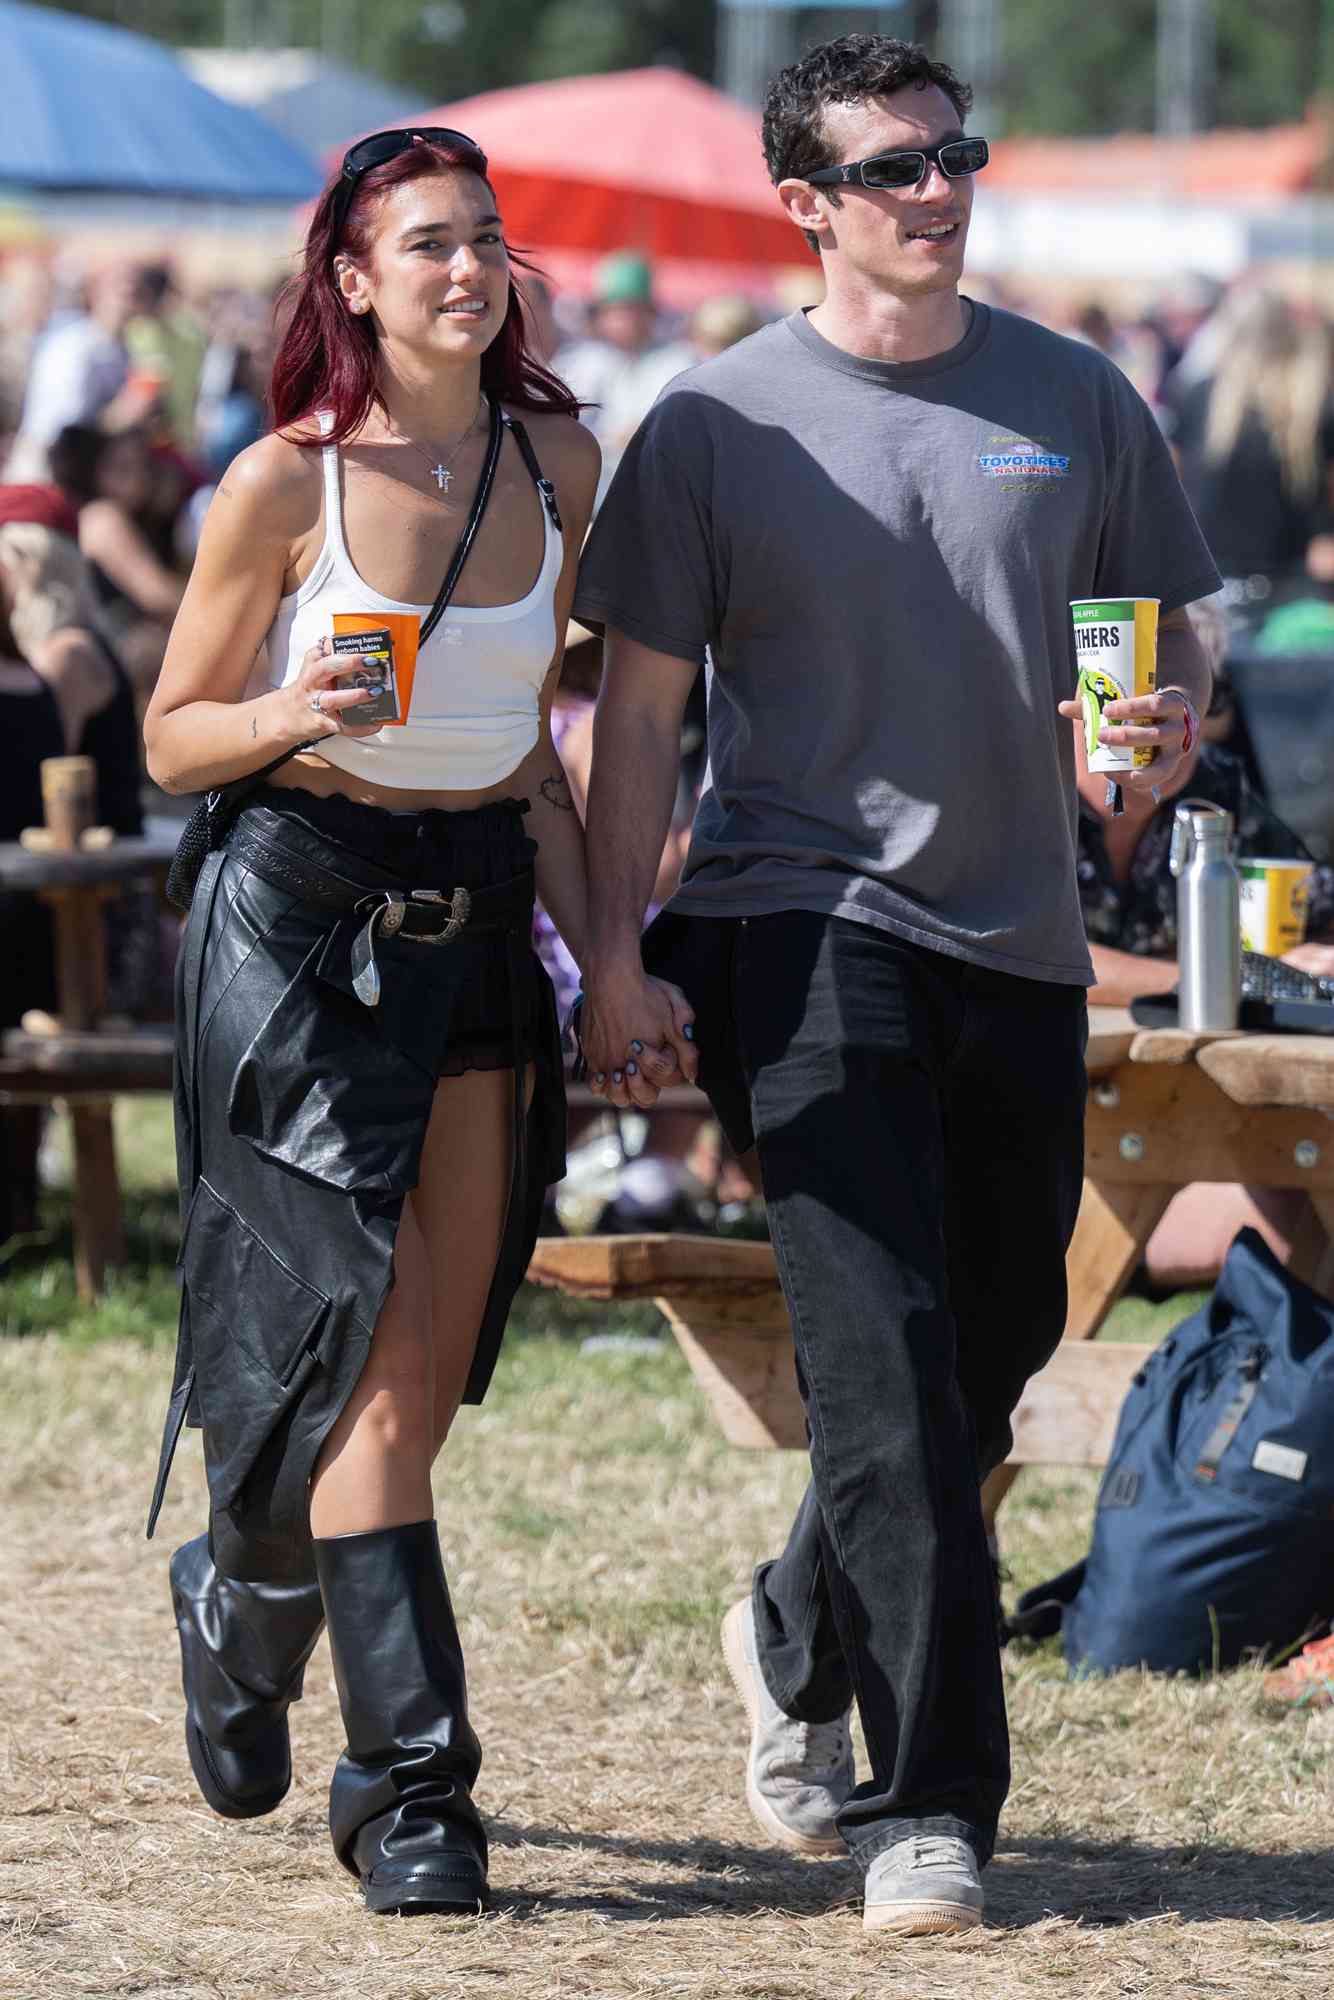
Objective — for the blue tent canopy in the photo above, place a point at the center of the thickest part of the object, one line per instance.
(91, 107)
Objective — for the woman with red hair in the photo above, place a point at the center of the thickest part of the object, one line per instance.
(369, 1098)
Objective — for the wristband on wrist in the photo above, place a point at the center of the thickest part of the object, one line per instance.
(1190, 720)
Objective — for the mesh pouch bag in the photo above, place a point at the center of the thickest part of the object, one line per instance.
(208, 826)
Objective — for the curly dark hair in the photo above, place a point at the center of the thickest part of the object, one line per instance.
(843, 72)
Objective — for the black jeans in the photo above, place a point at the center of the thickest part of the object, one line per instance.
(919, 1122)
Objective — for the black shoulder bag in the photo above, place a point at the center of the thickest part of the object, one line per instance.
(212, 819)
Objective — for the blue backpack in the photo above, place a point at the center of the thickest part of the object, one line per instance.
(1214, 1532)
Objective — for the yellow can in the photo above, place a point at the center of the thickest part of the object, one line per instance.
(1274, 896)
(1116, 652)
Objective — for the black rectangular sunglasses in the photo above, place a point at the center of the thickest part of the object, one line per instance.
(955, 158)
(382, 146)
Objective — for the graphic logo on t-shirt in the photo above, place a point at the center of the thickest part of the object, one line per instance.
(1027, 459)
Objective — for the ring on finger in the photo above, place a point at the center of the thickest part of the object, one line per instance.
(317, 701)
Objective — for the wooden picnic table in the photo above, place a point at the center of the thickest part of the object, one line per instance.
(1165, 1109)
(78, 1056)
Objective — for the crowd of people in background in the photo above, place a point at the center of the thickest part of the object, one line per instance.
(124, 395)
(132, 395)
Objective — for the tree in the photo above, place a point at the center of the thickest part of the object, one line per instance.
(1061, 69)
(1094, 71)
(499, 42)
(580, 37)
(443, 48)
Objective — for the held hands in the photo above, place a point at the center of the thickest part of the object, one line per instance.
(1164, 722)
(638, 1036)
(316, 706)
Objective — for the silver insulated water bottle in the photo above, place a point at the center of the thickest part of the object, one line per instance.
(1208, 917)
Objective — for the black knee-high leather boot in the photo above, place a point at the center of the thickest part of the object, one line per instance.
(400, 1805)
(244, 1648)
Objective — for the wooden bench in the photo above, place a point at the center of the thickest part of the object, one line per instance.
(722, 1301)
(72, 1057)
(77, 1067)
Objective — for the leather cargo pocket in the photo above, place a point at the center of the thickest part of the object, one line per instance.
(255, 1327)
(322, 1091)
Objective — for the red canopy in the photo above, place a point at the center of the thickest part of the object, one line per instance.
(646, 159)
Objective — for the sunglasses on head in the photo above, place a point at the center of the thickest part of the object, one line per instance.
(956, 158)
(382, 146)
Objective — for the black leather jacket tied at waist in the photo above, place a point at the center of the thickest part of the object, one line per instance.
(317, 1007)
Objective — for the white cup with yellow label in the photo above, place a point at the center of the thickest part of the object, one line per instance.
(1274, 896)
(1116, 653)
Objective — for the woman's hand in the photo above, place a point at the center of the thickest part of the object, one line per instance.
(315, 706)
(638, 1036)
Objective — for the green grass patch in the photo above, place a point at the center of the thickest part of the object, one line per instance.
(671, 1634)
(1149, 1320)
(527, 1523)
(141, 1301)
(540, 1313)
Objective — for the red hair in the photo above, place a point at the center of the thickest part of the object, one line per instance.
(328, 358)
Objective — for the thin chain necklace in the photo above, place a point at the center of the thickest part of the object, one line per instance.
(440, 471)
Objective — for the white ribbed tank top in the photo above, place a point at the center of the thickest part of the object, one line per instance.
(474, 714)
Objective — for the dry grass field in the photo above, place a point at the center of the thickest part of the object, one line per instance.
(1163, 1838)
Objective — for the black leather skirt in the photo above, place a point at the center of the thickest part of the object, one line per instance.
(301, 1112)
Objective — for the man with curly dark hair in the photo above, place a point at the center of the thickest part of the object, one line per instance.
(872, 518)
(797, 140)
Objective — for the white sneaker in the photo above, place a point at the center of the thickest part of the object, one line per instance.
(926, 1886)
(798, 1773)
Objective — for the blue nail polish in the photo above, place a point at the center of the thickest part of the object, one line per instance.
(689, 1031)
(600, 1079)
(618, 1076)
(632, 1069)
(638, 1048)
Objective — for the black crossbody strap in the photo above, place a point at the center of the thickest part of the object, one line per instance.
(469, 535)
(543, 485)
(215, 815)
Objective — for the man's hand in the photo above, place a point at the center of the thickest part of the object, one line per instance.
(638, 1036)
(1165, 722)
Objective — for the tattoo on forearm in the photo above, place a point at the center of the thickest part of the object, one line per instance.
(254, 728)
(556, 791)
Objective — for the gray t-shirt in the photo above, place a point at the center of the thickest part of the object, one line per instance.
(878, 560)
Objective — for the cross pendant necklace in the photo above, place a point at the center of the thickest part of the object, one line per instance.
(440, 471)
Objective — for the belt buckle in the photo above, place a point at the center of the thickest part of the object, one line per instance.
(460, 909)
